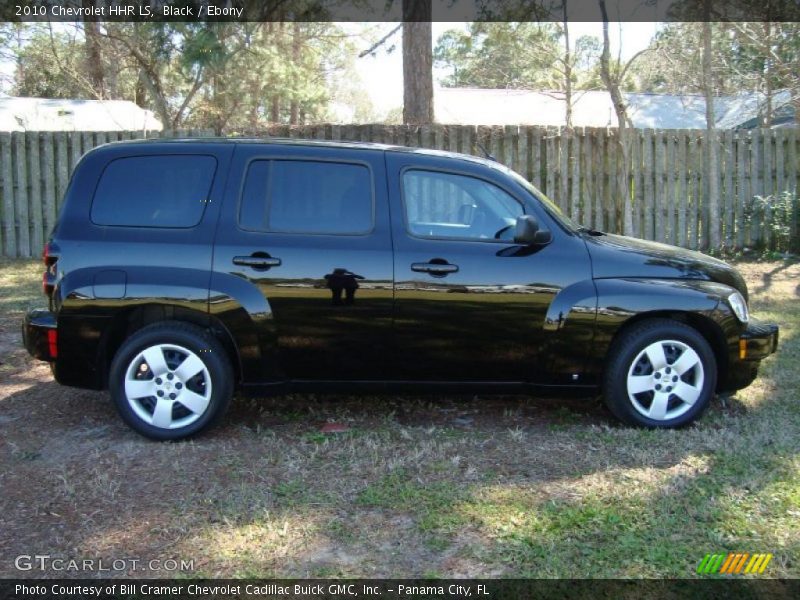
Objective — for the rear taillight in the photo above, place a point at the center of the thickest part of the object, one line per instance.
(49, 259)
(52, 343)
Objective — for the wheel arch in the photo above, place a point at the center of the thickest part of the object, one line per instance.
(625, 302)
(703, 324)
(128, 321)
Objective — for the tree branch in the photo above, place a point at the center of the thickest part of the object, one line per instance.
(198, 82)
(380, 42)
(631, 60)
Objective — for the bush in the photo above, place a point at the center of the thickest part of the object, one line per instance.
(773, 214)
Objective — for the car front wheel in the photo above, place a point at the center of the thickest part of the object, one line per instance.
(660, 373)
(171, 380)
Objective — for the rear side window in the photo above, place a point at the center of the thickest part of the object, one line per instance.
(315, 197)
(154, 191)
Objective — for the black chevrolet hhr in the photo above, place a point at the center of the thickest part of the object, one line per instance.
(181, 271)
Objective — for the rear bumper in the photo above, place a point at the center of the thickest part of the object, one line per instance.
(758, 341)
(40, 335)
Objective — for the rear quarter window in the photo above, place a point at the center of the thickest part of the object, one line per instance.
(154, 191)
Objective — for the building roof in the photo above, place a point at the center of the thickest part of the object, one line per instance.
(53, 114)
(474, 106)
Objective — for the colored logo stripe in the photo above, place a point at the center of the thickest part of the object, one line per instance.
(734, 563)
(758, 563)
(710, 563)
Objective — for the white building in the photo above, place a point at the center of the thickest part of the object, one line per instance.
(474, 106)
(52, 114)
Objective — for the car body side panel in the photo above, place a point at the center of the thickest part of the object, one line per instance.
(247, 315)
(620, 256)
(569, 328)
(109, 271)
(485, 321)
(298, 319)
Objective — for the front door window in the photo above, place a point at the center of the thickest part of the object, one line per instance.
(442, 205)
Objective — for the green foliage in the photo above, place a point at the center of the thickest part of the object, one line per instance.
(500, 55)
(517, 55)
(774, 214)
(256, 73)
(35, 74)
(223, 76)
(52, 64)
(745, 56)
(7, 36)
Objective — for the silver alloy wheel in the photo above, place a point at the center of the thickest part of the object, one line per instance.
(168, 386)
(665, 380)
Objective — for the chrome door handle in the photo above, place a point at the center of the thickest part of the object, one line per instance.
(439, 269)
(257, 262)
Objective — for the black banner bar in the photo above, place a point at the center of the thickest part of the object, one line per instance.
(391, 589)
(391, 10)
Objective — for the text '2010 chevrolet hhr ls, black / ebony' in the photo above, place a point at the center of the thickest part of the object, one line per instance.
(180, 271)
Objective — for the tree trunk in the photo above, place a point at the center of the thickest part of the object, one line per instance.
(417, 62)
(623, 144)
(711, 147)
(148, 76)
(275, 109)
(294, 105)
(567, 69)
(275, 104)
(140, 92)
(94, 57)
(768, 73)
(19, 75)
(255, 93)
(153, 87)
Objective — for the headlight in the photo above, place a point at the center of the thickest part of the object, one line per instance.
(739, 307)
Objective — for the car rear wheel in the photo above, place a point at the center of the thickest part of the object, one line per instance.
(171, 380)
(661, 373)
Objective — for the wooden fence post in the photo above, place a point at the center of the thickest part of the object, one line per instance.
(21, 194)
(792, 188)
(35, 181)
(9, 216)
(48, 174)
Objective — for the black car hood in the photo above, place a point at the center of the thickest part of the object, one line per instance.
(620, 256)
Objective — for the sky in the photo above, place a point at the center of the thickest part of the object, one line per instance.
(383, 74)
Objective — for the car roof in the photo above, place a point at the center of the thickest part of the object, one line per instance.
(278, 141)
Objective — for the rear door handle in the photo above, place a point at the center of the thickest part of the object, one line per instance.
(257, 262)
(440, 269)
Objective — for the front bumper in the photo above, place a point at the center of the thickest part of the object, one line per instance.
(758, 341)
(755, 343)
(40, 334)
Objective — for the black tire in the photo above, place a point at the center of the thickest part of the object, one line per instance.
(216, 373)
(626, 358)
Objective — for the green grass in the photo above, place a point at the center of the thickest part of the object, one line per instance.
(399, 491)
(20, 285)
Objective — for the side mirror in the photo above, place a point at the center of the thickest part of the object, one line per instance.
(527, 232)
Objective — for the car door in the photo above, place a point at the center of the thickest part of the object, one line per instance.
(308, 226)
(470, 304)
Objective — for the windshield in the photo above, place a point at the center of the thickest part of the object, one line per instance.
(551, 207)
